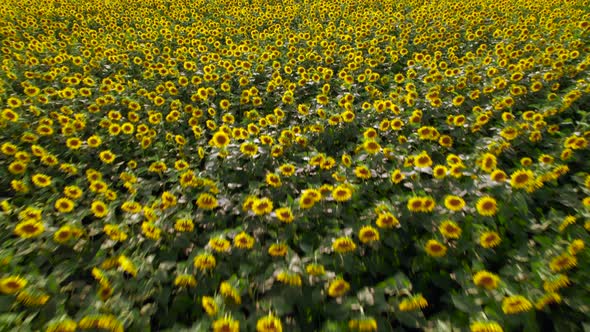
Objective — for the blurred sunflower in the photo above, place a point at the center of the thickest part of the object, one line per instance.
(435, 249)
(368, 234)
(269, 323)
(29, 228)
(489, 239)
(226, 324)
(12, 284)
(204, 262)
(450, 229)
(343, 245)
(209, 305)
(486, 280)
(516, 304)
(487, 206)
(412, 303)
(485, 326)
(207, 201)
(262, 206)
(338, 287)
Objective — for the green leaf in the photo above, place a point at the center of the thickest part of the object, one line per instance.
(413, 319)
(465, 303)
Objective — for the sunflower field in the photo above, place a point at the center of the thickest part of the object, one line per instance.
(294, 165)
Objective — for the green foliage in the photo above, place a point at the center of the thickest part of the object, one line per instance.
(295, 165)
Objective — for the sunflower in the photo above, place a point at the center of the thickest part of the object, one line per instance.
(547, 299)
(371, 147)
(100, 276)
(450, 229)
(454, 203)
(12, 284)
(342, 193)
(219, 244)
(285, 215)
(157, 167)
(114, 232)
(415, 204)
(184, 225)
(64, 205)
(346, 160)
(489, 239)
(487, 326)
(101, 322)
(498, 175)
(63, 234)
(575, 247)
(105, 291)
(314, 194)
(32, 299)
(243, 241)
(421, 204)
(169, 199)
(273, 179)
(422, 160)
(207, 201)
(487, 206)
(563, 262)
(521, 178)
(289, 278)
(9, 149)
(567, 221)
(278, 249)
(99, 209)
(249, 149)
(185, 280)
(19, 186)
(229, 292)
(435, 249)
(98, 186)
(516, 304)
(73, 192)
(445, 141)
(150, 230)
(209, 305)
(287, 169)
(413, 303)
(31, 213)
(439, 171)
(65, 325)
(486, 280)
(343, 245)
(262, 206)
(204, 262)
(269, 323)
(127, 266)
(107, 156)
(387, 220)
(488, 162)
(556, 282)
(365, 324)
(338, 287)
(41, 180)
(73, 143)
(315, 269)
(368, 234)
(226, 324)
(362, 172)
(17, 167)
(220, 139)
(29, 228)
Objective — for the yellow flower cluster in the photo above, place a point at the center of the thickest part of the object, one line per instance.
(188, 143)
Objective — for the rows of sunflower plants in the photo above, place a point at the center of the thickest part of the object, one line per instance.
(294, 165)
